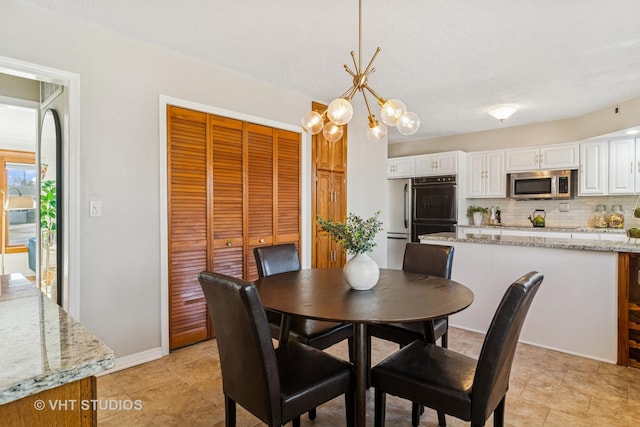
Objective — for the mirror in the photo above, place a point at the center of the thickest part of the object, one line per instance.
(50, 203)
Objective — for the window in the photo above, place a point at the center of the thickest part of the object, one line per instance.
(18, 179)
(21, 181)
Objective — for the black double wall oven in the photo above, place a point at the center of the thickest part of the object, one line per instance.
(434, 205)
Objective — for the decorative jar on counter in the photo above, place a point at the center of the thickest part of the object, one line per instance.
(616, 220)
(602, 217)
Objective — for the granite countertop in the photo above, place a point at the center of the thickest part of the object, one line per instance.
(42, 346)
(539, 242)
(547, 228)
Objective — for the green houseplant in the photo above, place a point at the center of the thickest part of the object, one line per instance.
(357, 236)
(48, 209)
(476, 213)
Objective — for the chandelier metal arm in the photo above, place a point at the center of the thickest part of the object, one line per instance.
(373, 58)
(366, 102)
(380, 99)
(356, 64)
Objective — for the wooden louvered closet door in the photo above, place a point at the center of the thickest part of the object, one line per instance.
(227, 136)
(232, 186)
(287, 229)
(259, 215)
(188, 228)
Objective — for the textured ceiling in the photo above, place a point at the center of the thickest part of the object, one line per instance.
(448, 60)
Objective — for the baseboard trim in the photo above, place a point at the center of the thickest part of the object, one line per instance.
(134, 360)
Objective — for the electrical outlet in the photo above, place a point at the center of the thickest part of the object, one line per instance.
(95, 209)
(564, 207)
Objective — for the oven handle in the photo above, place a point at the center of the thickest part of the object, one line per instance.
(404, 207)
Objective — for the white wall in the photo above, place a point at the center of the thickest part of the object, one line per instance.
(120, 83)
(570, 130)
(367, 178)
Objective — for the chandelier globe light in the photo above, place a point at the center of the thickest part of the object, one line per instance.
(393, 112)
(312, 122)
(503, 111)
(332, 132)
(377, 131)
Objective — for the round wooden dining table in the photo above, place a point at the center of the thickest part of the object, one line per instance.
(398, 296)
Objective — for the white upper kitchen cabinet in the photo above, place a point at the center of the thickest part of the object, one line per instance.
(624, 165)
(594, 178)
(401, 167)
(486, 175)
(438, 164)
(557, 156)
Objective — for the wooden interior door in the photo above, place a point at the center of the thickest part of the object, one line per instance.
(226, 171)
(259, 192)
(232, 186)
(187, 220)
(288, 194)
(329, 196)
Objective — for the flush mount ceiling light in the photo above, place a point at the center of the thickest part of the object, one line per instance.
(340, 111)
(503, 111)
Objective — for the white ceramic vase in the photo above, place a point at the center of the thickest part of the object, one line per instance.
(477, 218)
(361, 272)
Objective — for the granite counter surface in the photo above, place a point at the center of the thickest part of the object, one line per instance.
(42, 346)
(632, 246)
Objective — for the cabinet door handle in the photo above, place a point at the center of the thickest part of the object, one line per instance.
(631, 166)
(261, 240)
(228, 243)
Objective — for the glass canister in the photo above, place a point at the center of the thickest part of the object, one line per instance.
(616, 220)
(601, 217)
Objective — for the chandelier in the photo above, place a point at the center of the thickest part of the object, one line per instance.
(340, 111)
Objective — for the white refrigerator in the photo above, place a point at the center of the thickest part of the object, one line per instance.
(399, 218)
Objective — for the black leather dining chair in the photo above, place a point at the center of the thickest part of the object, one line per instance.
(455, 384)
(421, 258)
(436, 260)
(276, 385)
(283, 258)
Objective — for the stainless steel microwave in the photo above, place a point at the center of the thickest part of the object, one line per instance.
(555, 184)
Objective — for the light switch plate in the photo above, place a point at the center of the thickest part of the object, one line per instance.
(95, 208)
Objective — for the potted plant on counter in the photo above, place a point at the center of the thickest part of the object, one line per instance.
(476, 213)
(356, 236)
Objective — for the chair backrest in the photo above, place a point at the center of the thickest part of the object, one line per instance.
(276, 259)
(247, 357)
(428, 259)
(494, 364)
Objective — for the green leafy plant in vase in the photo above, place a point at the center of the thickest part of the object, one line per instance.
(48, 219)
(357, 236)
(476, 213)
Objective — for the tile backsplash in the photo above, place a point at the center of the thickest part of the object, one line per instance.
(581, 210)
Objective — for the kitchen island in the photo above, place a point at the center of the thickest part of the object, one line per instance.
(49, 360)
(576, 308)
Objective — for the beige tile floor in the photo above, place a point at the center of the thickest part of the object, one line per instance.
(547, 388)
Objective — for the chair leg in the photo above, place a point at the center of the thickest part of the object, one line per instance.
(442, 422)
(498, 414)
(445, 340)
(229, 412)
(350, 407)
(312, 414)
(415, 414)
(352, 352)
(380, 403)
(295, 422)
(368, 360)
